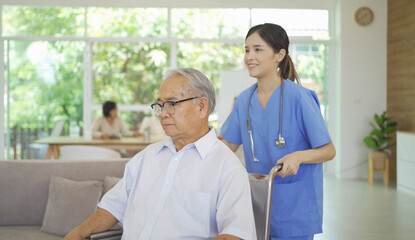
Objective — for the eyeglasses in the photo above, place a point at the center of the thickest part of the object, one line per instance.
(169, 105)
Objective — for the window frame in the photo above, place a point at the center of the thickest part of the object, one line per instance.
(88, 84)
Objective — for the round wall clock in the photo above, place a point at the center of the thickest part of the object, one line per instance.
(364, 16)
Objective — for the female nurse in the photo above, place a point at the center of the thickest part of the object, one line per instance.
(297, 204)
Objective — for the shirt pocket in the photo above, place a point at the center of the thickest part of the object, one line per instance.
(192, 212)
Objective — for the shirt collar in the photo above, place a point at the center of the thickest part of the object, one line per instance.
(203, 145)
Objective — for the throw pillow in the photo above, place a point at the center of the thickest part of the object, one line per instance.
(69, 204)
(110, 182)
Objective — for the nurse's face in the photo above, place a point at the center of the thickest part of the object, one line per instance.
(260, 58)
(184, 121)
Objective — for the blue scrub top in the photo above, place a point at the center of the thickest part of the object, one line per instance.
(297, 204)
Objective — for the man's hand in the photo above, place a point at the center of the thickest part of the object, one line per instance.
(74, 235)
(291, 162)
(105, 136)
(101, 220)
(226, 237)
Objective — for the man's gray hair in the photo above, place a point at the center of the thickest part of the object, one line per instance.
(198, 82)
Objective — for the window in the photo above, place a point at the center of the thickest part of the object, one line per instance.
(311, 62)
(210, 58)
(43, 21)
(210, 23)
(128, 73)
(127, 22)
(316, 25)
(45, 84)
(124, 53)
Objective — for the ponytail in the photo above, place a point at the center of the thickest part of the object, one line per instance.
(276, 37)
(287, 69)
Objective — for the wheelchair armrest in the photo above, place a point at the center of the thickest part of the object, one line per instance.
(112, 234)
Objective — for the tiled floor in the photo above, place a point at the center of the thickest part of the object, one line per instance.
(355, 210)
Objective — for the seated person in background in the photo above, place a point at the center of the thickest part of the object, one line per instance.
(152, 123)
(190, 186)
(110, 125)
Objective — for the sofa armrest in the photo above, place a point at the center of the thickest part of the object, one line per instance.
(113, 234)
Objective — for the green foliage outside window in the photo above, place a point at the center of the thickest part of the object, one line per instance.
(43, 21)
(46, 77)
(46, 80)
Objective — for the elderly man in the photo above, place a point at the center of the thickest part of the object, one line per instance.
(190, 186)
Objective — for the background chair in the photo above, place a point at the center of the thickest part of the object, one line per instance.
(73, 152)
(41, 149)
(58, 128)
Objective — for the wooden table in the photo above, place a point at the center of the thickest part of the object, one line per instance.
(128, 143)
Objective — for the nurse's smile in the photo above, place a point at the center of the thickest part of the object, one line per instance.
(252, 65)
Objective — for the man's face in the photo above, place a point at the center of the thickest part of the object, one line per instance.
(184, 121)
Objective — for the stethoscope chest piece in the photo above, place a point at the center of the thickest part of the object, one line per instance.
(280, 142)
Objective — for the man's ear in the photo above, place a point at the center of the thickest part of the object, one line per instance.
(203, 107)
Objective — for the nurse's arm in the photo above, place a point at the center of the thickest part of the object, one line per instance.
(318, 155)
(234, 147)
(291, 162)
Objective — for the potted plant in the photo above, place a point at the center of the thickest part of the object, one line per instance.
(379, 140)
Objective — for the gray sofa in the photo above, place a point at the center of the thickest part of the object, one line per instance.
(24, 186)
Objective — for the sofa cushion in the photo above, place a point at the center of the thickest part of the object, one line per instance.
(24, 184)
(110, 182)
(26, 233)
(69, 204)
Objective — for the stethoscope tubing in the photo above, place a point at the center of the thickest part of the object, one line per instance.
(280, 142)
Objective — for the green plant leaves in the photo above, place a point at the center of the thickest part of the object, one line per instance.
(383, 141)
(389, 130)
(378, 120)
(391, 124)
(384, 118)
(375, 132)
(379, 136)
(370, 143)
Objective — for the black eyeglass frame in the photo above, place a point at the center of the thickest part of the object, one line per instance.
(172, 103)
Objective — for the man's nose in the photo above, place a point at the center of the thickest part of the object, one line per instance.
(164, 113)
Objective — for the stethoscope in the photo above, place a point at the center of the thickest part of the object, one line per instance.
(280, 142)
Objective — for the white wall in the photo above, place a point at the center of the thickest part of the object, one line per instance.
(361, 55)
(232, 83)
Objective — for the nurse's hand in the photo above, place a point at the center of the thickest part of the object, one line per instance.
(291, 162)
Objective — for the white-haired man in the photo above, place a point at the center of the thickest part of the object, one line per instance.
(190, 186)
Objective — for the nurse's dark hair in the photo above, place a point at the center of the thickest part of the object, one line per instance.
(276, 37)
(107, 107)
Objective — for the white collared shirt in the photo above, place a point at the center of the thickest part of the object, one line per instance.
(200, 192)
